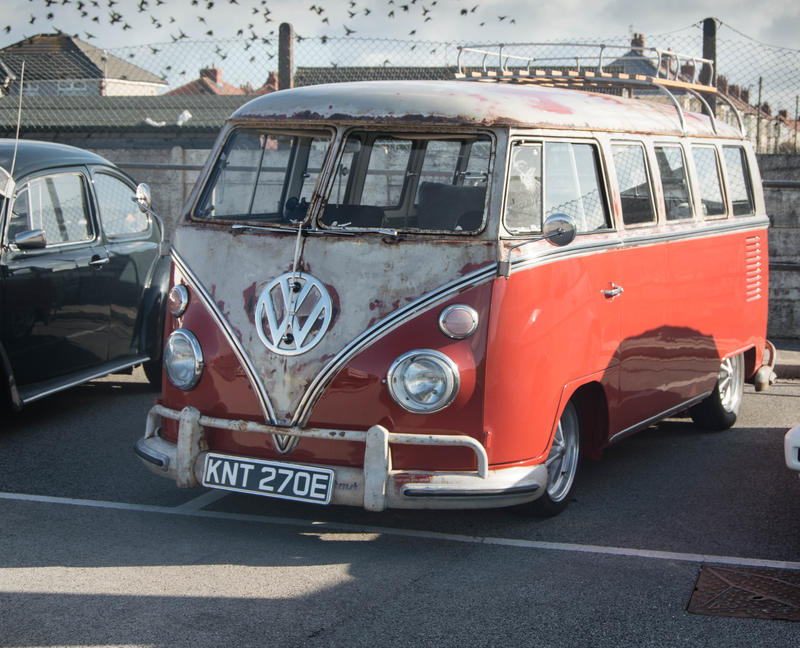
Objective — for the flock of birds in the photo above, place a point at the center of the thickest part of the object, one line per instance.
(185, 19)
(254, 24)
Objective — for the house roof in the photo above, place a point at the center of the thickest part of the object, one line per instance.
(50, 57)
(208, 83)
(159, 113)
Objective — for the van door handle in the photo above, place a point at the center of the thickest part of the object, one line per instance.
(98, 261)
(614, 291)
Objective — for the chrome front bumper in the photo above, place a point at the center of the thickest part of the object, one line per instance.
(375, 487)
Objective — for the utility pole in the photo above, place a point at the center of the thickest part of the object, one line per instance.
(285, 56)
(708, 74)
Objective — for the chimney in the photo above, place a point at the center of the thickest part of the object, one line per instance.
(783, 115)
(212, 74)
(637, 42)
(722, 84)
(735, 91)
(745, 95)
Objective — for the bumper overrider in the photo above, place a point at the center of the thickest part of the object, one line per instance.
(374, 487)
(791, 448)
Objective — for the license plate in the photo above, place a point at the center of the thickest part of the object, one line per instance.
(268, 478)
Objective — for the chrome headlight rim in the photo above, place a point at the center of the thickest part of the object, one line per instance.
(398, 392)
(469, 310)
(197, 353)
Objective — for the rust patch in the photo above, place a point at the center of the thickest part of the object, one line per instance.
(471, 267)
(401, 479)
(747, 593)
(249, 296)
(548, 105)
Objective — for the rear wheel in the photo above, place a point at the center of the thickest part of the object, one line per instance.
(562, 464)
(720, 409)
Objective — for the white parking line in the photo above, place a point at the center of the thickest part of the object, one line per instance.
(203, 500)
(317, 525)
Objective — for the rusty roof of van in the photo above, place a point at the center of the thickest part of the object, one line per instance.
(470, 103)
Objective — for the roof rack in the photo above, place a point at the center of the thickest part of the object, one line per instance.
(587, 66)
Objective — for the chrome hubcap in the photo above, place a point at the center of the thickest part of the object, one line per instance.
(562, 462)
(731, 375)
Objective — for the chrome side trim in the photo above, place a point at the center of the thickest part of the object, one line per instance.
(382, 328)
(615, 241)
(80, 379)
(658, 417)
(230, 336)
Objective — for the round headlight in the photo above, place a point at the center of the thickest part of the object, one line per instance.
(423, 381)
(177, 300)
(458, 321)
(183, 359)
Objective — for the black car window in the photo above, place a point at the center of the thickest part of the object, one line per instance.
(56, 204)
(119, 213)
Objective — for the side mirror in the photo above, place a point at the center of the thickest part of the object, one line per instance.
(31, 240)
(560, 229)
(143, 198)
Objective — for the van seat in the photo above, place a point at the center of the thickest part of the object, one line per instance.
(445, 206)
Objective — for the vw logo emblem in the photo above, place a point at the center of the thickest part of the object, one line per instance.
(293, 313)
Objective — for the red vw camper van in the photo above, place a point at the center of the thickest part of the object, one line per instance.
(443, 294)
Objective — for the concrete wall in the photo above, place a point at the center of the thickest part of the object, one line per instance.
(783, 207)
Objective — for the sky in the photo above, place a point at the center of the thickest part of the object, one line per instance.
(112, 24)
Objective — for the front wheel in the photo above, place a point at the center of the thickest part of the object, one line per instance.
(562, 464)
(720, 409)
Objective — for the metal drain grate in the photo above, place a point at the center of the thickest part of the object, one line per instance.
(747, 593)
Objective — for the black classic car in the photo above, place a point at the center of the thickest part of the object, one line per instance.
(83, 271)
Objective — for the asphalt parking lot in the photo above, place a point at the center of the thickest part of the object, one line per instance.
(95, 550)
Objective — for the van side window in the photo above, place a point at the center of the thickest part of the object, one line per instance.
(571, 184)
(709, 182)
(524, 194)
(672, 169)
(739, 188)
(634, 184)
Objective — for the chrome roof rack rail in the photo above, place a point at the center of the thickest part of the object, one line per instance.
(587, 66)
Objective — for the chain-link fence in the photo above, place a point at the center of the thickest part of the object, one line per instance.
(71, 85)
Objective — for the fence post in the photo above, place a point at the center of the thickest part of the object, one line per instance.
(708, 74)
(758, 117)
(285, 56)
